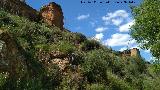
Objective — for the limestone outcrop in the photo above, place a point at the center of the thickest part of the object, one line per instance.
(52, 14)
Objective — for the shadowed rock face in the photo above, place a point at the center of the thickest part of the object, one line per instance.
(10, 55)
(13, 57)
(52, 14)
(19, 7)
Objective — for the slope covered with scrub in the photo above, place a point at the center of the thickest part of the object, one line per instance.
(36, 56)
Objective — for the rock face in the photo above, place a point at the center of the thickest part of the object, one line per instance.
(62, 64)
(13, 58)
(52, 14)
(54, 57)
(20, 8)
(10, 55)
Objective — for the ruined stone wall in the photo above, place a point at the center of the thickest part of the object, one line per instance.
(131, 52)
(135, 52)
(19, 8)
(126, 53)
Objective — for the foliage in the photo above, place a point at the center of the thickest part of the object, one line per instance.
(63, 46)
(3, 79)
(146, 29)
(96, 87)
(92, 66)
(95, 66)
(90, 45)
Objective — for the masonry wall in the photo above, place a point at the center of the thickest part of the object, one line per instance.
(135, 52)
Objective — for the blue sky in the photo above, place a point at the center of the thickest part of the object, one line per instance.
(107, 22)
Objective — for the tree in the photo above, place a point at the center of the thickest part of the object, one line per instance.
(146, 29)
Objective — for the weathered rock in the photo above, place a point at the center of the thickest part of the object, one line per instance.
(16, 58)
(52, 14)
(10, 54)
(57, 54)
(61, 63)
(19, 8)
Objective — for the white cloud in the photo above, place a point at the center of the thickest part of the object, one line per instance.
(93, 23)
(120, 40)
(134, 46)
(82, 17)
(116, 18)
(117, 22)
(100, 29)
(126, 27)
(120, 13)
(123, 48)
(99, 36)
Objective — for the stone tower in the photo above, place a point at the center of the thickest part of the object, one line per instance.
(131, 52)
(52, 14)
(135, 52)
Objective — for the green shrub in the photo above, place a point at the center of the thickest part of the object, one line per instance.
(116, 83)
(96, 87)
(79, 38)
(95, 65)
(63, 46)
(90, 45)
(3, 79)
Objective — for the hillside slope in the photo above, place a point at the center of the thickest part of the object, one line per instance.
(37, 56)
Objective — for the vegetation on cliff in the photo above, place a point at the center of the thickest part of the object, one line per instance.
(30, 51)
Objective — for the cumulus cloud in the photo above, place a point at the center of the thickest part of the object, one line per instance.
(99, 36)
(121, 13)
(117, 22)
(100, 29)
(132, 44)
(119, 40)
(126, 27)
(82, 17)
(116, 18)
(123, 48)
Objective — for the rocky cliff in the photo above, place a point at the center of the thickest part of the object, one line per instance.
(19, 8)
(51, 14)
